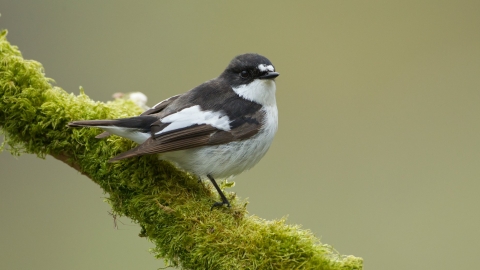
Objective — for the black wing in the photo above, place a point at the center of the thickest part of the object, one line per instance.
(196, 136)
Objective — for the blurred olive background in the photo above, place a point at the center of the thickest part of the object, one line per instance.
(378, 148)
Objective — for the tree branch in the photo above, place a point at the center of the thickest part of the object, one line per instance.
(172, 208)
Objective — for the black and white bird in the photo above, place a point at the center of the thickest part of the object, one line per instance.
(216, 130)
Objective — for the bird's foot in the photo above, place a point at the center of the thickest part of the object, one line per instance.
(220, 204)
(224, 199)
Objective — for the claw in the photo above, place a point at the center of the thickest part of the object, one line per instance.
(224, 199)
(220, 204)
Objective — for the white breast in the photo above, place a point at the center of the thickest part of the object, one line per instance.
(228, 160)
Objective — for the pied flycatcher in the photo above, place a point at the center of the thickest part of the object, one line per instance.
(216, 130)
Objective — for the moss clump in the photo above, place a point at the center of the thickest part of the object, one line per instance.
(171, 207)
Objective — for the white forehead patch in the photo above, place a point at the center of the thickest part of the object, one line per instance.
(195, 116)
(263, 67)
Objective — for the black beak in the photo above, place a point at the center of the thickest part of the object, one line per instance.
(269, 75)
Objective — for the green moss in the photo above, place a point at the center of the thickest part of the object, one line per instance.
(172, 208)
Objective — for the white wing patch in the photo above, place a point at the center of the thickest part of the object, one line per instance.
(263, 67)
(195, 116)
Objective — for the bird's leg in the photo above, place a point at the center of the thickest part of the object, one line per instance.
(224, 199)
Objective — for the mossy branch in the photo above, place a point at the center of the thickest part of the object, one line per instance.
(172, 208)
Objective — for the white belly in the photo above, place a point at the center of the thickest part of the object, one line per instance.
(227, 160)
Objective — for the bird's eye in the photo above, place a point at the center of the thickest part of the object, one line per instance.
(244, 74)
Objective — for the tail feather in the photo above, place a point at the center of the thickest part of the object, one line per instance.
(139, 122)
(136, 129)
(92, 123)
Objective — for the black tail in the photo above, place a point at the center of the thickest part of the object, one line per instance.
(122, 127)
(140, 123)
(93, 123)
